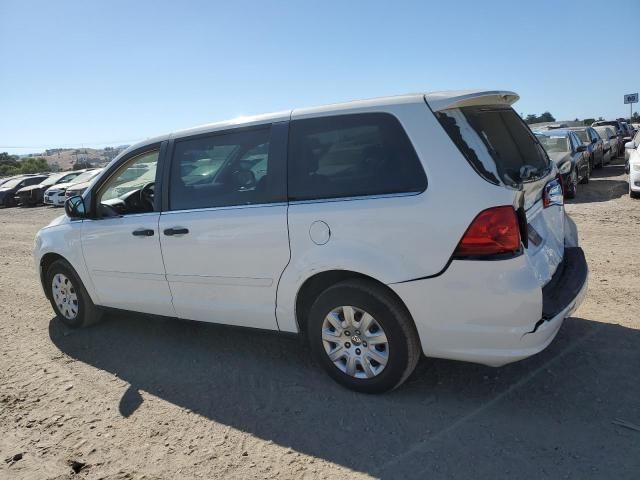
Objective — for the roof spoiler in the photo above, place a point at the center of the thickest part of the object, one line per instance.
(445, 100)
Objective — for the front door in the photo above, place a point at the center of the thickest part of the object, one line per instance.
(224, 233)
(122, 246)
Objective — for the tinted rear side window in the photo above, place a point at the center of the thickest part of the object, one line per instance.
(351, 155)
(497, 143)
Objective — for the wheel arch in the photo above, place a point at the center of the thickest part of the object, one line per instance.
(320, 281)
(45, 262)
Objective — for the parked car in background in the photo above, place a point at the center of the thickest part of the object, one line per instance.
(594, 144)
(34, 194)
(628, 131)
(55, 195)
(321, 221)
(12, 177)
(617, 127)
(610, 141)
(633, 169)
(570, 156)
(9, 189)
(630, 146)
(77, 189)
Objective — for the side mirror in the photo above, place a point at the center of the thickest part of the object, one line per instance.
(582, 148)
(594, 140)
(630, 146)
(74, 207)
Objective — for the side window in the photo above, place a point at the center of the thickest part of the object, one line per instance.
(351, 155)
(32, 181)
(224, 169)
(575, 143)
(131, 188)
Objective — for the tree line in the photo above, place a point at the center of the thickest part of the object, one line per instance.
(12, 165)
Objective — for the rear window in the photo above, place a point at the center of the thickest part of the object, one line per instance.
(554, 144)
(351, 155)
(497, 144)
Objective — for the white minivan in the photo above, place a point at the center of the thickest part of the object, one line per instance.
(382, 230)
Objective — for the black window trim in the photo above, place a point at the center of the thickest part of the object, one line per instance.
(295, 201)
(91, 198)
(278, 144)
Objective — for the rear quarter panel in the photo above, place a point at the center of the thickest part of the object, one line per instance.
(390, 238)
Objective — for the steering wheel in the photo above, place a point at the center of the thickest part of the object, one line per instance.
(244, 179)
(147, 195)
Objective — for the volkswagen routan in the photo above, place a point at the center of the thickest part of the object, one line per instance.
(380, 230)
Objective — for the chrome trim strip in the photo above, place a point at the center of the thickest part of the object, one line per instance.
(218, 280)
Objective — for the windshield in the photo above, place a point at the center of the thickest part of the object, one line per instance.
(603, 132)
(497, 143)
(554, 144)
(53, 179)
(12, 183)
(86, 176)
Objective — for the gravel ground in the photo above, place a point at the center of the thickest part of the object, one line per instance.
(136, 397)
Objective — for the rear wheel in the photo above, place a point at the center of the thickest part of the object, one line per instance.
(68, 297)
(363, 337)
(633, 194)
(587, 174)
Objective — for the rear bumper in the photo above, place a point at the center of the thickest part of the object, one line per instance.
(492, 312)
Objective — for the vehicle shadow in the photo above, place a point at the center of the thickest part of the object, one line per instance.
(606, 183)
(451, 419)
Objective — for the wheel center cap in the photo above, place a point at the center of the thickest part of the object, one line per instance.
(356, 340)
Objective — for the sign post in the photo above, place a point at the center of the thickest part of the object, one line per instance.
(631, 98)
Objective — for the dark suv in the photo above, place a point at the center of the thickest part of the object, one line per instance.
(9, 189)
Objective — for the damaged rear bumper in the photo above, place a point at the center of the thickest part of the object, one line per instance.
(493, 313)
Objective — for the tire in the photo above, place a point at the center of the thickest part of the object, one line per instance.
(585, 179)
(71, 293)
(389, 320)
(633, 194)
(572, 188)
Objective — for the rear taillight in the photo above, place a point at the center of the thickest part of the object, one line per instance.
(493, 231)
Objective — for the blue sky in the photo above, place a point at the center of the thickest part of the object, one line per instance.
(94, 73)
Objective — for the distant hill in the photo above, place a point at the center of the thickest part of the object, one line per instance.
(65, 158)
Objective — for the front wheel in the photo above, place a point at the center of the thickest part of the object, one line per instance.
(363, 336)
(572, 187)
(68, 297)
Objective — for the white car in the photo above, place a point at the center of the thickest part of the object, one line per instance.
(631, 146)
(382, 230)
(55, 195)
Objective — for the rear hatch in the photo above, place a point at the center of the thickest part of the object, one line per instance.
(502, 150)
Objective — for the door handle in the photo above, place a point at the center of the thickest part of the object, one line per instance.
(176, 231)
(143, 232)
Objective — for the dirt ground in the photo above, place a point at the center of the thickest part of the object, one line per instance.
(135, 397)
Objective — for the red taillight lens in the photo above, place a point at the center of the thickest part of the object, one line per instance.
(492, 232)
